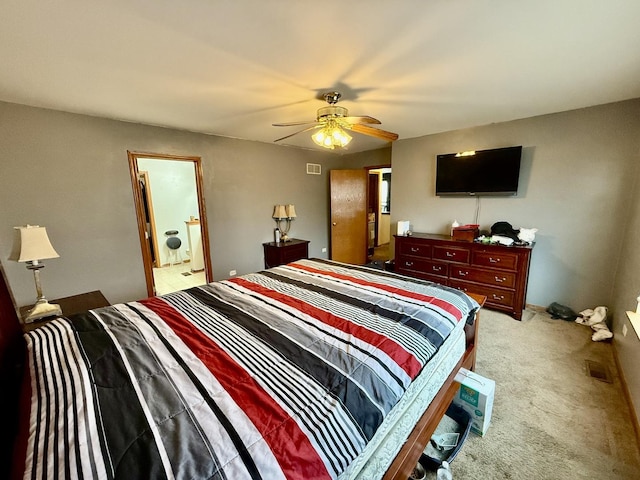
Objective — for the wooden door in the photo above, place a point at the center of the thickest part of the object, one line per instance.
(349, 216)
(149, 216)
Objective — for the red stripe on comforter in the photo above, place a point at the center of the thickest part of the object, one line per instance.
(444, 305)
(278, 429)
(394, 350)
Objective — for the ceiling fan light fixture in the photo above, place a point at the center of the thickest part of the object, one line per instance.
(331, 136)
(331, 123)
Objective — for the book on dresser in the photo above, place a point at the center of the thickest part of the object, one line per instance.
(498, 272)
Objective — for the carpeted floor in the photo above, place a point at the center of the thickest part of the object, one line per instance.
(551, 420)
(381, 253)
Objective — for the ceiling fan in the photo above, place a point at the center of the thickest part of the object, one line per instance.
(332, 122)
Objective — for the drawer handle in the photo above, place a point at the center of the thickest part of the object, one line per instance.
(415, 249)
(498, 297)
(500, 280)
(449, 254)
(436, 269)
(408, 264)
(463, 274)
(493, 260)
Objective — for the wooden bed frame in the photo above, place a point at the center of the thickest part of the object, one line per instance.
(12, 353)
(404, 463)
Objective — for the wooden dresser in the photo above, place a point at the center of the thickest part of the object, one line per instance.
(285, 252)
(500, 273)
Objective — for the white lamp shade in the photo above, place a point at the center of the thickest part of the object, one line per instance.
(279, 211)
(291, 211)
(31, 243)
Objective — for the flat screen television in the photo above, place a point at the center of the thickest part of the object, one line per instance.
(483, 172)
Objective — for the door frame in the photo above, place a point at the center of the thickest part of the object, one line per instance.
(140, 212)
(377, 206)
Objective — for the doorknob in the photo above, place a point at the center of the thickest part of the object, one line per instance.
(334, 224)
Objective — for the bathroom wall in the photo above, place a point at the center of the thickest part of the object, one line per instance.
(175, 200)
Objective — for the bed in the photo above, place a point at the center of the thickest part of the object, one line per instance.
(309, 370)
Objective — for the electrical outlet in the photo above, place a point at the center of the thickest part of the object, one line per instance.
(232, 273)
(624, 330)
(324, 249)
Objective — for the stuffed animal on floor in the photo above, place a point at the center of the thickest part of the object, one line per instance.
(597, 320)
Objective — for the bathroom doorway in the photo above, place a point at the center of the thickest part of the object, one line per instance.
(379, 213)
(172, 223)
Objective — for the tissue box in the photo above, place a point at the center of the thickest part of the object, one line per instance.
(476, 397)
(403, 227)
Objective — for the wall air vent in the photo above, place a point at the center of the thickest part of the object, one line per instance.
(314, 169)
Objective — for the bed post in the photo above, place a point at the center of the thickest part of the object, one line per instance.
(471, 333)
(11, 356)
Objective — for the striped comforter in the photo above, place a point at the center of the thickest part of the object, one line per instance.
(285, 373)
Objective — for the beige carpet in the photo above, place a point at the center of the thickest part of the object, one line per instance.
(550, 419)
(381, 253)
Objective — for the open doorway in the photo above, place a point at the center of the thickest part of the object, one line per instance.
(172, 221)
(379, 213)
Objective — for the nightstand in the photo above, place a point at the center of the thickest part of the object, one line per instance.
(285, 252)
(70, 306)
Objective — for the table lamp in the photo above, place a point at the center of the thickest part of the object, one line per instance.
(31, 245)
(284, 213)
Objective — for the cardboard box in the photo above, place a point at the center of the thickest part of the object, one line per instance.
(476, 397)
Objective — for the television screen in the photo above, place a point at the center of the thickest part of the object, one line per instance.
(483, 172)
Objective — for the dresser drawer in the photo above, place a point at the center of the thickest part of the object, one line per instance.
(295, 252)
(423, 275)
(422, 266)
(451, 254)
(488, 258)
(415, 249)
(435, 279)
(495, 296)
(488, 277)
(436, 268)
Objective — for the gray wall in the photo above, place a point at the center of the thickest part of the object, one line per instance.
(70, 173)
(579, 186)
(578, 170)
(626, 290)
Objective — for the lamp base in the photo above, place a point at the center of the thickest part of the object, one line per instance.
(42, 309)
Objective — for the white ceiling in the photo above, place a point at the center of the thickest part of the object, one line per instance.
(233, 68)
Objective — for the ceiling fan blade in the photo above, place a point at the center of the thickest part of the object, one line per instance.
(363, 119)
(293, 124)
(374, 132)
(299, 131)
